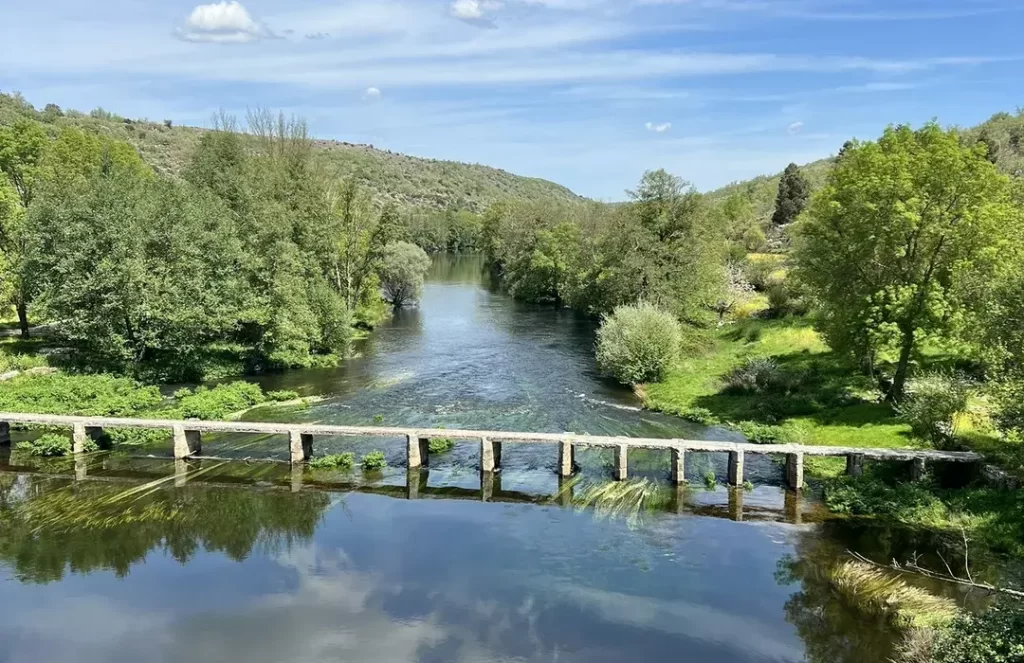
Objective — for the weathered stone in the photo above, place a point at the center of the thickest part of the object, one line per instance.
(918, 467)
(565, 458)
(735, 468)
(855, 464)
(300, 446)
(81, 433)
(678, 465)
(795, 471)
(5, 433)
(487, 460)
(417, 450)
(486, 486)
(621, 462)
(187, 442)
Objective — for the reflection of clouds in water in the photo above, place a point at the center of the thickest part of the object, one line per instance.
(690, 620)
(327, 616)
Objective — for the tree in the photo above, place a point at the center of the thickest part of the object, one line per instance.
(792, 197)
(141, 272)
(402, 271)
(901, 244)
(22, 147)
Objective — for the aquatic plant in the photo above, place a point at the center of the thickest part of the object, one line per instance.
(710, 480)
(438, 445)
(342, 461)
(621, 499)
(378, 418)
(52, 445)
(375, 460)
(878, 592)
(747, 485)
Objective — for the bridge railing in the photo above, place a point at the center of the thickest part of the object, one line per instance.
(187, 439)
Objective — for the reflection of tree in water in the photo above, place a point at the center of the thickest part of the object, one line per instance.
(48, 526)
(834, 631)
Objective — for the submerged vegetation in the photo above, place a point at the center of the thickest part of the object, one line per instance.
(341, 461)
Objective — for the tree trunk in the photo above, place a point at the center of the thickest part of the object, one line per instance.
(23, 318)
(899, 381)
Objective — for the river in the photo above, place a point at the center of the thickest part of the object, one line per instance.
(252, 562)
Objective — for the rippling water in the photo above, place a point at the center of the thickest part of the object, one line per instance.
(148, 559)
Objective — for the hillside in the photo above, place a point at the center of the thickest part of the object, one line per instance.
(410, 181)
(1003, 133)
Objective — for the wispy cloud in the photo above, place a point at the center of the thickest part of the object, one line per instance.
(795, 127)
(658, 128)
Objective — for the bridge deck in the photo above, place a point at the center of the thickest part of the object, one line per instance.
(187, 443)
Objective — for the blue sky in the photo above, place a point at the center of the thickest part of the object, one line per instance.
(588, 93)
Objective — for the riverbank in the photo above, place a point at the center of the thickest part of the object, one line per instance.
(818, 398)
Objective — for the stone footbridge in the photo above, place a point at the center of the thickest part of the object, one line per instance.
(187, 438)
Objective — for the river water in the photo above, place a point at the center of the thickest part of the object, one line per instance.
(145, 559)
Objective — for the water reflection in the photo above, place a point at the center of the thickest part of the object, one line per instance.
(311, 569)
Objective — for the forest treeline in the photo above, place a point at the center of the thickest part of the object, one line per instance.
(256, 256)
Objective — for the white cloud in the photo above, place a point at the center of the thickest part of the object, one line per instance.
(658, 128)
(467, 10)
(372, 93)
(795, 128)
(227, 22)
(473, 11)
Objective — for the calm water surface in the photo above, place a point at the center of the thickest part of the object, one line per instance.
(145, 559)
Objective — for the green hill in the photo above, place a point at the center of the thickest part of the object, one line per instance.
(412, 182)
(1003, 134)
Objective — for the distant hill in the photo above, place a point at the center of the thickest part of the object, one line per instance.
(1003, 134)
(412, 182)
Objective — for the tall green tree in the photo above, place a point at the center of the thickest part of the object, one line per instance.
(22, 149)
(901, 244)
(792, 197)
(142, 273)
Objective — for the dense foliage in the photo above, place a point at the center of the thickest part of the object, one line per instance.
(899, 246)
(638, 343)
(402, 270)
(997, 636)
(257, 253)
(662, 247)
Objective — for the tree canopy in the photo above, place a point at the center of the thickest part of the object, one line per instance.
(900, 245)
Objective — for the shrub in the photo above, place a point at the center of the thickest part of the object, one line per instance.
(759, 273)
(374, 460)
(638, 343)
(1009, 401)
(763, 433)
(440, 445)
(333, 461)
(757, 375)
(220, 401)
(931, 406)
(699, 415)
(52, 445)
(996, 636)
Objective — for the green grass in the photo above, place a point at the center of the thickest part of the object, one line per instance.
(833, 405)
